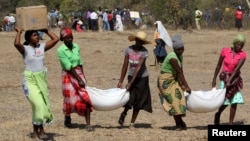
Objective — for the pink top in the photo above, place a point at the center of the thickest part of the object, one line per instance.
(238, 14)
(231, 61)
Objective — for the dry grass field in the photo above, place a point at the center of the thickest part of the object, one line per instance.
(103, 57)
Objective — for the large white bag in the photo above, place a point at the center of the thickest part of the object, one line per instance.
(205, 101)
(108, 99)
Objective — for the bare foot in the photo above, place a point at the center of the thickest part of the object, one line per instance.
(34, 136)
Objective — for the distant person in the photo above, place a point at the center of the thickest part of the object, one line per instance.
(106, 26)
(100, 20)
(138, 78)
(12, 22)
(118, 23)
(110, 20)
(60, 23)
(172, 84)
(230, 62)
(238, 18)
(94, 21)
(79, 26)
(198, 15)
(34, 82)
(218, 17)
(6, 23)
(88, 19)
(160, 39)
(76, 98)
(207, 16)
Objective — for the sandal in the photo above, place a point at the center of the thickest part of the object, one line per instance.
(90, 128)
(121, 119)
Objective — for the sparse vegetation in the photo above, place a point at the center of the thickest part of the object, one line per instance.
(173, 13)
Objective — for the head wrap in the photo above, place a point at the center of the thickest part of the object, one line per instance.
(163, 34)
(239, 7)
(65, 32)
(177, 42)
(239, 38)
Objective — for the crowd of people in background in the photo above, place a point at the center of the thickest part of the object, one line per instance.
(92, 20)
(216, 18)
(118, 19)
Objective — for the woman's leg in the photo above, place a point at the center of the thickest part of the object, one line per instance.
(87, 118)
(134, 115)
(123, 115)
(233, 109)
(35, 131)
(41, 130)
(67, 121)
(180, 124)
(217, 115)
(42, 134)
(177, 120)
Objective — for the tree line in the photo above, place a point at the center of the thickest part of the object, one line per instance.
(173, 13)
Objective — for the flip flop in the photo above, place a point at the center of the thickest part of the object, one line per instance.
(90, 128)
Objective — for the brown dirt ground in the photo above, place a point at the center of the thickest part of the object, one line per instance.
(103, 57)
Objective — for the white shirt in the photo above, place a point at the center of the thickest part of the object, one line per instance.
(12, 19)
(93, 16)
(34, 57)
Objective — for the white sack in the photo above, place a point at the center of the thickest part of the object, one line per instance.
(108, 99)
(205, 101)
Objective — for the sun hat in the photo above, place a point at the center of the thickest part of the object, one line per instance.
(139, 35)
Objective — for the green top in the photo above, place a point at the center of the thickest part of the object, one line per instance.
(167, 67)
(69, 58)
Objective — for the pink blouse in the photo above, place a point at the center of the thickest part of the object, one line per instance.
(230, 61)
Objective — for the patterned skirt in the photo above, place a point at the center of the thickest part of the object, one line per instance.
(76, 98)
(171, 95)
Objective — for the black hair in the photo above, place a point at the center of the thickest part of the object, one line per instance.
(27, 36)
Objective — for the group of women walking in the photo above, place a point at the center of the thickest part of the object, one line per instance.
(171, 81)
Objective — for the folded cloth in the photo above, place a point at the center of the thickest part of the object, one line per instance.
(108, 99)
(205, 101)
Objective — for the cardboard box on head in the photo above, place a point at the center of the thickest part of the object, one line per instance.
(32, 17)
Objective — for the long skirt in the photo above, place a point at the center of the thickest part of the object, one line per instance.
(76, 98)
(140, 96)
(36, 90)
(171, 95)
(238, 23)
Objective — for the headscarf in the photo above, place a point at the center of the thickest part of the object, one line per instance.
(177, 42)
(65, 32)
(163, 33)
(239, 38)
